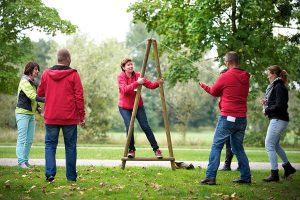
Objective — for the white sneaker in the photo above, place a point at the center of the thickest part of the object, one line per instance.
(23, 166)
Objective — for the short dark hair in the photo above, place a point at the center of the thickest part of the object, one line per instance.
(124, 61)
(232, 57)
(63, 55)
(30, 67)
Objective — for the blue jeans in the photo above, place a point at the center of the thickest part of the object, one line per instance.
(142, 119)
(51, 140)
(26, 131)
(275, 130)
(235, 131)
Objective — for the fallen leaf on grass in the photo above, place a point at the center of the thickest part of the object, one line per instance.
(67, 194)
(7, 184)
(30, 190)
(101, 184)
(155, 186)
(233, 195)
(60, 187)
(44, 189)
(50, 193)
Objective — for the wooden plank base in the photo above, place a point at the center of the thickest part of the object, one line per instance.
(148, 159)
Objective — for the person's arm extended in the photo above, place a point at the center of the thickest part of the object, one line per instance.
(150, 84)
(214, 90)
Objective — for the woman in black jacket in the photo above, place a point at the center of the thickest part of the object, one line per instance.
(275, 107)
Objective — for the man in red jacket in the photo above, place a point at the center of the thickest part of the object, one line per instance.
(232, 87)
(64, 109)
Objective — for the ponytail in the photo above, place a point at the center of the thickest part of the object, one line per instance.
(284, 76)
(275, 69)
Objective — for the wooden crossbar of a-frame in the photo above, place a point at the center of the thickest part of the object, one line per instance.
(164, 109)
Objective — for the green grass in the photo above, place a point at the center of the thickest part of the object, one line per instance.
(116, 154)
(203, 138)
(140, 183)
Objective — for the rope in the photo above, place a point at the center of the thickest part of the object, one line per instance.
(139, 44)
(192, 62)
(181, 55)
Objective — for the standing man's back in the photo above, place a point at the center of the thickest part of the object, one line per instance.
(64, 109)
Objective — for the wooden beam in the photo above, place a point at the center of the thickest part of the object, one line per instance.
(163, 103)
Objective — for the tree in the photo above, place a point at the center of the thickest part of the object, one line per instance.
(15, 18)
(247, 27)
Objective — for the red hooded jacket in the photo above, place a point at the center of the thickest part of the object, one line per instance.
(127, 85)
(62, 88)
(232, 87)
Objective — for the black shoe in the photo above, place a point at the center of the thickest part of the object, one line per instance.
(240, 181)
(288, 170)
(50, 179)
(225, 168)
(274, 177)
(208, 181)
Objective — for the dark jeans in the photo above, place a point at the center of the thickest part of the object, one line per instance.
(142, 119)
(236, 131)
(51, 140)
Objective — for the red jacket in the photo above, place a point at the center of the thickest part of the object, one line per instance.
(64, 104)
(232, 87)
(127, 85)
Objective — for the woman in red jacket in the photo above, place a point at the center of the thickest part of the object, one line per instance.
(128, 81)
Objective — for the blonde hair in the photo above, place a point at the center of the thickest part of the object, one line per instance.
(275, 69)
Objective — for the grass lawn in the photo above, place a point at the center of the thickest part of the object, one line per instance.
(117, 152)
(140, 183)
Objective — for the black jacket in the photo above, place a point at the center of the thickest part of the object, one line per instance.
(278, 102)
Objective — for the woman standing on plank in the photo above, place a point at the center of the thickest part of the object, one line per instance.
(128, 81)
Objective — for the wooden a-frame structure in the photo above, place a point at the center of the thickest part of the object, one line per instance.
(164, 110)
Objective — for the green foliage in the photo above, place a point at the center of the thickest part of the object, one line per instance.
(294, 113)
(7, 107)
(190, 106)
(15, 49)
(243, 26)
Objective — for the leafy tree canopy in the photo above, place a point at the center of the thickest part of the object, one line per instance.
(245, 26)
(15, 18)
